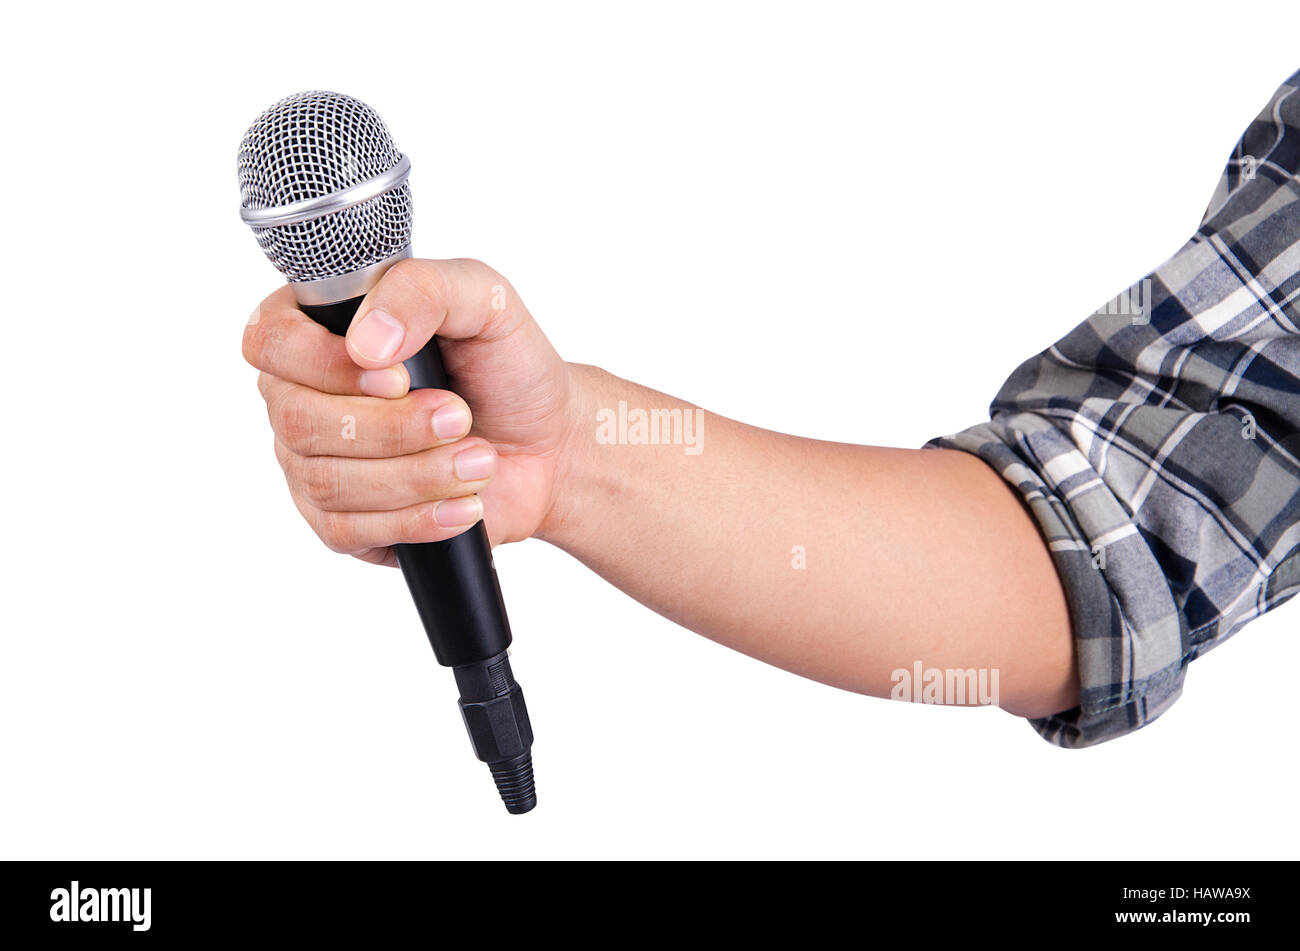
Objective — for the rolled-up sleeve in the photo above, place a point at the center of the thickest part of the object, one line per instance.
(1157, 445)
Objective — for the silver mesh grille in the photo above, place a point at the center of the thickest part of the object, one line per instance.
(310, 145)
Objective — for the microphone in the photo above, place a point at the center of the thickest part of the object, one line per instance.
(324, 189)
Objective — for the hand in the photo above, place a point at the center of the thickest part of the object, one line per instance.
(370, 464)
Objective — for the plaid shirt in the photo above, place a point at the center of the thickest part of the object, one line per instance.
(1157, 444)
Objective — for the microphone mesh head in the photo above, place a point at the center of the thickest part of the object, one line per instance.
(310, 145)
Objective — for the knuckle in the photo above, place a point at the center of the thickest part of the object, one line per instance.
(495, 295)
(418, 524)
(431, 478)
(489, 282)
(287, 459)
(336, 368)
(473, 267)
(251, 345)
(262, 341)
(409, 269)
(339, 532)
(427, 278)
(293, 422)
(398, 431)
(318, 478)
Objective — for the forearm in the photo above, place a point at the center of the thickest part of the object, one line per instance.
(838, 562)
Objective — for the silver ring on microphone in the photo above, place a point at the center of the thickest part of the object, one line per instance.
(300, 211)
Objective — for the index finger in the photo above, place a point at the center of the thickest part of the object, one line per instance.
(284, 342)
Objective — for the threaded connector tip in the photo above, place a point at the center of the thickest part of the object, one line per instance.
(514, 779)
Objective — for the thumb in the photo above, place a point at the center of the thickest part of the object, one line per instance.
(418, 298)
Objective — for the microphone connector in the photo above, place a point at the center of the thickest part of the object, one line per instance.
(492, 705)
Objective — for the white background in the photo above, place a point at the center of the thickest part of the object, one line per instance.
(846, 221)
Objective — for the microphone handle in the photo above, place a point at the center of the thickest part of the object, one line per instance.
(456, 592)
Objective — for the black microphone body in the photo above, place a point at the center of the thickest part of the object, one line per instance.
(456, 592)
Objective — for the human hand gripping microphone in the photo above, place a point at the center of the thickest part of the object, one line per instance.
(324, 189)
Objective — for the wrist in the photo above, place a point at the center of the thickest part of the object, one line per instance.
(562, 523)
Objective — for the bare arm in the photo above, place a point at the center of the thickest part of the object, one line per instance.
(906, 554)
(909, 555)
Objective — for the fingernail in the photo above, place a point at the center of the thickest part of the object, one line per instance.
(451, 421)
(474, 464)
(453, 513)
(389, 383)
(255, 316)
(377, 336)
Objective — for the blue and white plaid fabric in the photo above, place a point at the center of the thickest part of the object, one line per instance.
(1157, 444)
